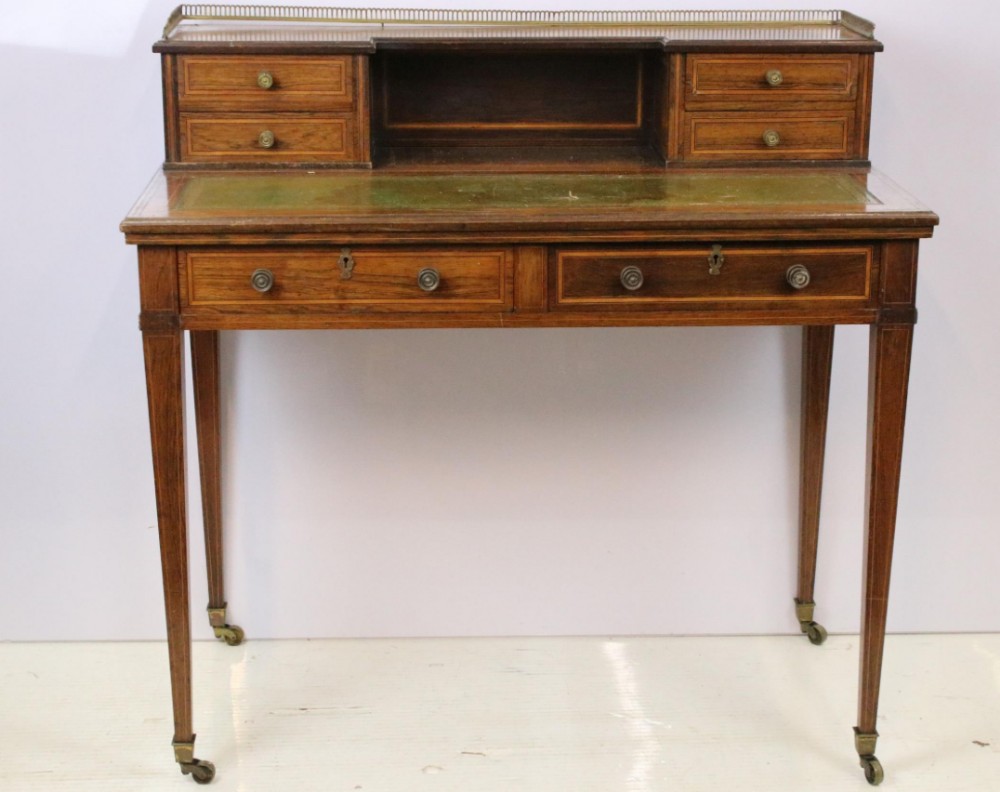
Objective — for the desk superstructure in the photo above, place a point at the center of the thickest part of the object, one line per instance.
(345, 168)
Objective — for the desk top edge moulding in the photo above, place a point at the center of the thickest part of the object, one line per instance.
(335, 168)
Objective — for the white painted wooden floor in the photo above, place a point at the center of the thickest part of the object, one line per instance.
(483, 715)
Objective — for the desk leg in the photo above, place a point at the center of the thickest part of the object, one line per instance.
(163, 352)
(889, 361)
(817, 359)
(205, 368)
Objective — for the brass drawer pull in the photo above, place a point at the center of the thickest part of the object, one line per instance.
(262, 280)
(771, 138)
(774, 78)
(631, 278)
(266, 139)
(265, 80)
(428, 279)
(798, 276)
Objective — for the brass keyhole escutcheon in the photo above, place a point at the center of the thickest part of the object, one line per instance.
(346, 264)
(715, 260)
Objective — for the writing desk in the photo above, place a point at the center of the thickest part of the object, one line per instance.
(514, 229)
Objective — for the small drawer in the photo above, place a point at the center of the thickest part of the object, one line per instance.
(656, 279)
(771, 79)
(267, 138)
(223, 82)
(348, 279)
(769, 136)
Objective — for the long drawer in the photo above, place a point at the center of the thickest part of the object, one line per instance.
(656, 279)
(362, 279)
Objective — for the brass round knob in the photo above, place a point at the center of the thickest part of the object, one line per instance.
(266, 139)
(798, 276)
(265, 80)
(771, 138)
(774, 78)
(262, 280)
(631, 277)
(428, 279)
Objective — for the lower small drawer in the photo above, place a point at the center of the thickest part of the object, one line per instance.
(270, 137)
(769, 136)
(345, 279)
(658, 279)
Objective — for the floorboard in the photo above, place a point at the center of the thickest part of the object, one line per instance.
(482, 715)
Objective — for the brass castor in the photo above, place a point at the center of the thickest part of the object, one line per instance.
(200, 770)
(230, 633)
(816, 633)
(874, 774)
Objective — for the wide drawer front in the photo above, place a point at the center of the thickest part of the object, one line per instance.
(267, 138)
(771, 78)
(265, 82)
(359, 279)
(634, 278)
(769, 136)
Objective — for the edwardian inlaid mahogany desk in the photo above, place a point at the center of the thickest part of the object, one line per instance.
(334, 168)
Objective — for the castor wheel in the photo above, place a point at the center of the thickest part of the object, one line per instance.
(235, 635)
(230, 633)
(816, 633)
(813, 630)
(874, 774)
(224, 631)
(200, 770)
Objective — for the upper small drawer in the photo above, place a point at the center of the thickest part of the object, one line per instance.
(781, 79)
(264, 82)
